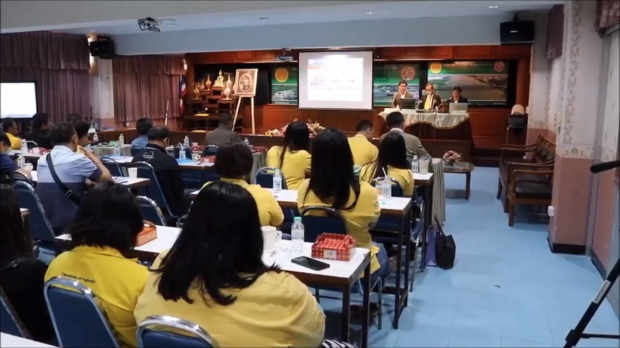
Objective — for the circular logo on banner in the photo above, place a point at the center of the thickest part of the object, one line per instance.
(281, 75)
(407, 73)
(499, 67)
(435, 68)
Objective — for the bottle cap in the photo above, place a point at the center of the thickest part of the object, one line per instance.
(297, 219)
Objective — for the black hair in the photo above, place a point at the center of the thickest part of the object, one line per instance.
(363, 125)
(220, 247)
(296, 138)
(108, 216)
(224, 120)
(74, 118)
(402, 82)
(394, 119)
(158, 133)
(430, 84)
(7, 123)
(14, 238)
(392, 152)
(331, 170)
(81, 128)
(457, 88)
(233, 160)
(39, 120)
(143, 126)
(61, 133)
(4, 138)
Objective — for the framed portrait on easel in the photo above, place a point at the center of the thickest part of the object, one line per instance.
(246, 82)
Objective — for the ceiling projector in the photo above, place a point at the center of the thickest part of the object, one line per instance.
(149, 24)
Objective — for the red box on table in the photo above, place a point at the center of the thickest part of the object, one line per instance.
(332, 246)
(148, 233)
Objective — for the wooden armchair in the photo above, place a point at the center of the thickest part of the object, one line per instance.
(533, 185)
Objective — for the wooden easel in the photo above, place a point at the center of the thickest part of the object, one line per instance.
(251, 110)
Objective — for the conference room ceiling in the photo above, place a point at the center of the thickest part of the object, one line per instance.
(238, 14)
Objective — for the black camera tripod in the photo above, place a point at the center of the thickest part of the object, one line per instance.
(577, 333)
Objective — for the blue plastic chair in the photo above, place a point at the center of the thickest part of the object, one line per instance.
(150, 211)
(145, 170)
(10, 322)
(264, 178)
(78, 321)
(41, 230)
(318, 220)
(155, 332)
(112, 165)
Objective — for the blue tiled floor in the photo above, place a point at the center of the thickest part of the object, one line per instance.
(506, 289)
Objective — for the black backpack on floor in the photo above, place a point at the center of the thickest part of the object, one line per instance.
(445, 248)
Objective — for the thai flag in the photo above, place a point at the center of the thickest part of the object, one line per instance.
(182, 93)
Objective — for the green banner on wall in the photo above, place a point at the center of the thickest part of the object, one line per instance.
(284, 85)
(482, 82)
(386, 78)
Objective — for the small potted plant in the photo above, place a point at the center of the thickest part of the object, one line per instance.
(452, 157)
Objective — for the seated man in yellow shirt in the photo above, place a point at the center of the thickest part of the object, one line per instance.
(215, 277)
(10, 128)
(292, 157)
(105, 228)
(233, 164)
(362, 149)
(393, 160)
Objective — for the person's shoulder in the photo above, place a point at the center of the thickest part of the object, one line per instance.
(366, 189)
(303, 187)
(282, 284)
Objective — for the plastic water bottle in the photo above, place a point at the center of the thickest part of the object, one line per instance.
(415, 165)
(117, 150)
(24, 146)
(21, 161)
(297, 233)
(386, 188)
(186, 141)
(182, 152)
(277, 181)
(246, 141)
(95, 137)
(121, 140)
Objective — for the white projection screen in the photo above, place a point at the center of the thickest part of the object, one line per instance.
(18, 100)
(335, 80)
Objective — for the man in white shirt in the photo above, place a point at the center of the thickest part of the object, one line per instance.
(401, 94)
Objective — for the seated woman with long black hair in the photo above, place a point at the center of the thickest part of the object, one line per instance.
(292, 157)
(214, 276)
(21, 274)
(104, 231)
(392, 160)
(333, 184)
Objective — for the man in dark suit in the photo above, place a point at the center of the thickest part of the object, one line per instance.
(456, 96)
(431, 100)
(223, 134)
(401, 94)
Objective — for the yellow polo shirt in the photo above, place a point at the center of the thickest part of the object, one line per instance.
(116, 281)
(294, 166)
(404, 177)
(269, 210)
(277, 310)
(363, 150)
(16, 143)
(359, 219)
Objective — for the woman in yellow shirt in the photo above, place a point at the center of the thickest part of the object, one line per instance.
(104, 230)
(233, 164)
(10, 128)
(292, 157)
(393, 160)
(214, 277)
(333, 184)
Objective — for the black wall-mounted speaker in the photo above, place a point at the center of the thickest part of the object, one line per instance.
(103, 49)
(517, 32)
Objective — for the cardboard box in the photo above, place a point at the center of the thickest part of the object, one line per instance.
(332, 246)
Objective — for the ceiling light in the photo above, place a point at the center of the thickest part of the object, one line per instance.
(172, 25)
(370, 12)
(263, 18)
(493, 6)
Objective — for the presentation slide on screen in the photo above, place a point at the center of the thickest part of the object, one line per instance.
(335, 80)
(18, 100)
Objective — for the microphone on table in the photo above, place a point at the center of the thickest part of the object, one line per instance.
(601, 167)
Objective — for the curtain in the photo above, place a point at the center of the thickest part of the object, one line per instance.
(57, 63)
(144, 85)
(555, 32)
(607, 13)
